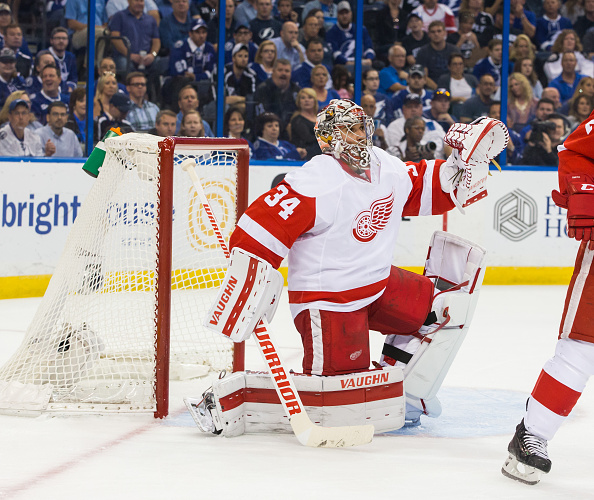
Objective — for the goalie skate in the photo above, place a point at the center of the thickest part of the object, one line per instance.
(528, 457)
(204, 412)
(481, 140)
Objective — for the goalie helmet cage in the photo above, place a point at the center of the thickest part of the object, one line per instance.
(123, 311)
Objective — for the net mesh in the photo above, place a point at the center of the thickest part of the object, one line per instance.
(91, 344)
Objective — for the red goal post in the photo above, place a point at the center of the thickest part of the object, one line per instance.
(123, 312)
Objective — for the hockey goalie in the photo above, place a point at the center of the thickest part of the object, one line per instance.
(337, 220)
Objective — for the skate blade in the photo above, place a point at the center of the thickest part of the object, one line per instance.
(510, 469)
(192, 406)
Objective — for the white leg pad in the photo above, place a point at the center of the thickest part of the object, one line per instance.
(453, 263)
(247, 401)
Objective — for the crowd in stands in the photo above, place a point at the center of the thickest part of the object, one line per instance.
(426, 65)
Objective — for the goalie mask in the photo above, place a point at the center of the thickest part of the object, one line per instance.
(337, 133)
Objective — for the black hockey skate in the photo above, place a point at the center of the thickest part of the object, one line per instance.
(528, 451)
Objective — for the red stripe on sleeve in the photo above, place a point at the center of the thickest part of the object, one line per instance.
(241, 239)
(554, 395)
(442, 202)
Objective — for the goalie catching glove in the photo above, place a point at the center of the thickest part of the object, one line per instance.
(250, 291)
(467, 168)
(579, 202)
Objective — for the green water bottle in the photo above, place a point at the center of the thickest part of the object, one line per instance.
(95, 159)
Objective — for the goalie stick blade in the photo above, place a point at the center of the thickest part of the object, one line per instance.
(310, 434)
(510, 469)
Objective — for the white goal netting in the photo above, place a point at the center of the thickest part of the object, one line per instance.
(92, 343)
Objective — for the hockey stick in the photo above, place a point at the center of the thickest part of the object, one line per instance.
(308, 433)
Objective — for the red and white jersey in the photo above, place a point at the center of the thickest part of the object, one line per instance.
(339, 230)
(441, 12)
(576, 155)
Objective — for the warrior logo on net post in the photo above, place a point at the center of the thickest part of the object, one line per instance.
(369, 222)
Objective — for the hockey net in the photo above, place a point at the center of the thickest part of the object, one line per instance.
(140, 268)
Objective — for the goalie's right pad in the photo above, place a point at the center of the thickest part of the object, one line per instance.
(456, 266)
(250, 291)
(247, 402)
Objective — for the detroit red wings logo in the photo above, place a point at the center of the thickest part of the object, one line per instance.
(369, 222)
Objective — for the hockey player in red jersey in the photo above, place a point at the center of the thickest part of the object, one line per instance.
(337, 220)
(564, 376)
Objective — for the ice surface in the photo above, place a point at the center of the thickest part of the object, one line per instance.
(457, 456)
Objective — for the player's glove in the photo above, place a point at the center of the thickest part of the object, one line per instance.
(579, 202)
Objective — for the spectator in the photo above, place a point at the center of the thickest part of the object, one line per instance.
(77, 115)
(567, 41)
(383, 104)
(313, 28)
(43, 58)
(548, 26)
(142, 113)
(187, 100)
(342, 38)
(264, 26)
(165, 124)
(459, 84)
(585, 22)
(10, 81)
(314, 55)
(542, 145)
(65, 60)
(176, 26)
(496, 31)
(584, 87)
(521, 48)
(433, 132)
(553, 94)
(588, 43)
(409, 148)
(19, 94)
(466, 40)
(416, 85)
(240, 80)
(107, 86)
(206, 10)
(440, 104)
(521, 106)
(76, 17)
(234, 125)
(393, 78)
(149, 7)
(277, 95)
(388, 26)
(193, 58)
(580, 109)
(245, 12)
(416, 39)
(522, 19)
(431, 11)
(107, 65)
(287, 45)
(230, 27)
(303, 122)
(16, 139)
(515, 145)
(482, 19)
(525, 66)
(341, 81)
(264, 61)
(13, 39)
(568, 80)
(286, 12)
(436, 55)
(319, 82)
(65, 142)
(242, 36)
(491, 65)
(143, 33)
(379, 134)
(478, 105)
(328, 9)
(5, 20)
(192, 125)
(268, 146)
(50, 92)
(115, 117)
(572, 10)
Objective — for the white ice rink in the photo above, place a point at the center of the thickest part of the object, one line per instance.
(457, 456)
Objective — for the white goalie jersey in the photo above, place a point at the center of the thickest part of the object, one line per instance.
(338, 230)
